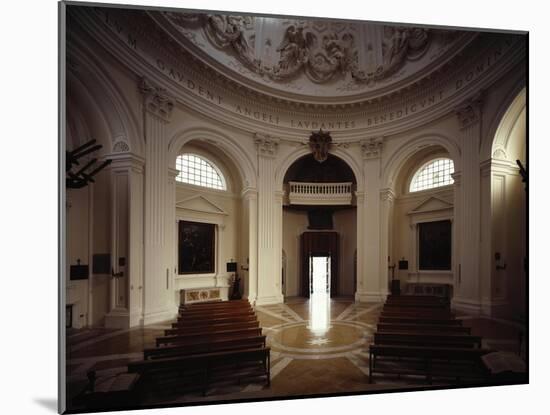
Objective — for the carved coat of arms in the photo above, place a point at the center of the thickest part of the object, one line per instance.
(319, 143)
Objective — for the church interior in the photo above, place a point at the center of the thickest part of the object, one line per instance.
(274, 207)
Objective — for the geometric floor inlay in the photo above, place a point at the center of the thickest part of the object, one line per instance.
(341, 336)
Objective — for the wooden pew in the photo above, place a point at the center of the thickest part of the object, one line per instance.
(212, 322)
(219, 305)
(408, 319)
(199, 371)
(428, 338)
(403, 297)
(215, 321)
(416, 299)
(208, 335)
(423, 327)
(429, 361)
(197, 346)
(215, 313)
(424, 307)
(212, 328)
(442, 314)
(214, 316)
(417, 309)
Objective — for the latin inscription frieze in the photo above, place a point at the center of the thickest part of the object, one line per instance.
(123, 32)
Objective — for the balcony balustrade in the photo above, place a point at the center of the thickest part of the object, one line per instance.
(304, 193)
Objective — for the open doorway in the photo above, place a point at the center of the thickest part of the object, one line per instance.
(319, 282)
(321, 248)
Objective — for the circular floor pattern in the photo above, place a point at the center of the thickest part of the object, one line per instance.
(300, 339)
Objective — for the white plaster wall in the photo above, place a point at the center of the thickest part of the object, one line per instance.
(294, 224)
(508, 223)
(78, 249)
(192, 121)
(102, 245)
(402, 241)
(229, 242)
(345, 223)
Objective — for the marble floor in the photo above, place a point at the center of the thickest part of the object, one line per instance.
(315, 350)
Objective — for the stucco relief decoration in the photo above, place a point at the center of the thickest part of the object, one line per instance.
(320, 51)
(469, 113)
(320, 143)
(500, 154)
(372, 147)
(267, 146)
(387, 195)
(121, 147)
(156, 100)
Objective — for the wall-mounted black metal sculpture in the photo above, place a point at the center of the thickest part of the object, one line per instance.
(83, 176)
(523, 172)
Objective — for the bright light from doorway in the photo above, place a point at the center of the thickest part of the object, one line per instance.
(319, 301)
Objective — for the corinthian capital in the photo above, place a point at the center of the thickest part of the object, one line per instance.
(372, 147)
(387, 195)
(156, 100)
(267, 146)
(469, 112)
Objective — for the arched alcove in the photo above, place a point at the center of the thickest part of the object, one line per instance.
(342, 154)
(93, 230)
(118, 115)
(227, 209)
(415, 147)
(325, 225)
(223, 146)
(504, 217)
(418, 216)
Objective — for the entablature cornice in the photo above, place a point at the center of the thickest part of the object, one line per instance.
(199, 88)
(125, 162)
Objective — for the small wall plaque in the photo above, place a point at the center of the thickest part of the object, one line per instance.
(79, 272)
(101, 264)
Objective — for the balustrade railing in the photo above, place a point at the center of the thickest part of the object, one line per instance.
(306, 193)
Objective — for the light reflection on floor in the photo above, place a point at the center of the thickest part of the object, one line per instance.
(319, 311)
(319, 301)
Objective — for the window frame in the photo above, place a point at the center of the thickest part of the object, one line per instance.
(421, 168)
(209, 162)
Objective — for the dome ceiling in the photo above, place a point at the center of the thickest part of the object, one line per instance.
(319, 60)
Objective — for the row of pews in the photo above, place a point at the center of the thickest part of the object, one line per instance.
(420, 336)
(209, 344)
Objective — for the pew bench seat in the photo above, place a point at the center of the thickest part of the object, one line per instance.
(205, 346)
(445, 362)
(200, 371)
(182, 337)
(441, 328)
(427, 338)
(212, 328)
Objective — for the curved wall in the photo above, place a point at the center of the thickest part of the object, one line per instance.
(164, 99)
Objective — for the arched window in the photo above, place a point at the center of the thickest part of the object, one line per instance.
(194, 169)
(435, 173)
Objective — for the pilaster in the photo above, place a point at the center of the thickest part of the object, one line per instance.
(387, 198)
(157, 110)
(269, 235)
(374, 272)
(467, 291)
(126, 286)
(250, 199)
(171, 234)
